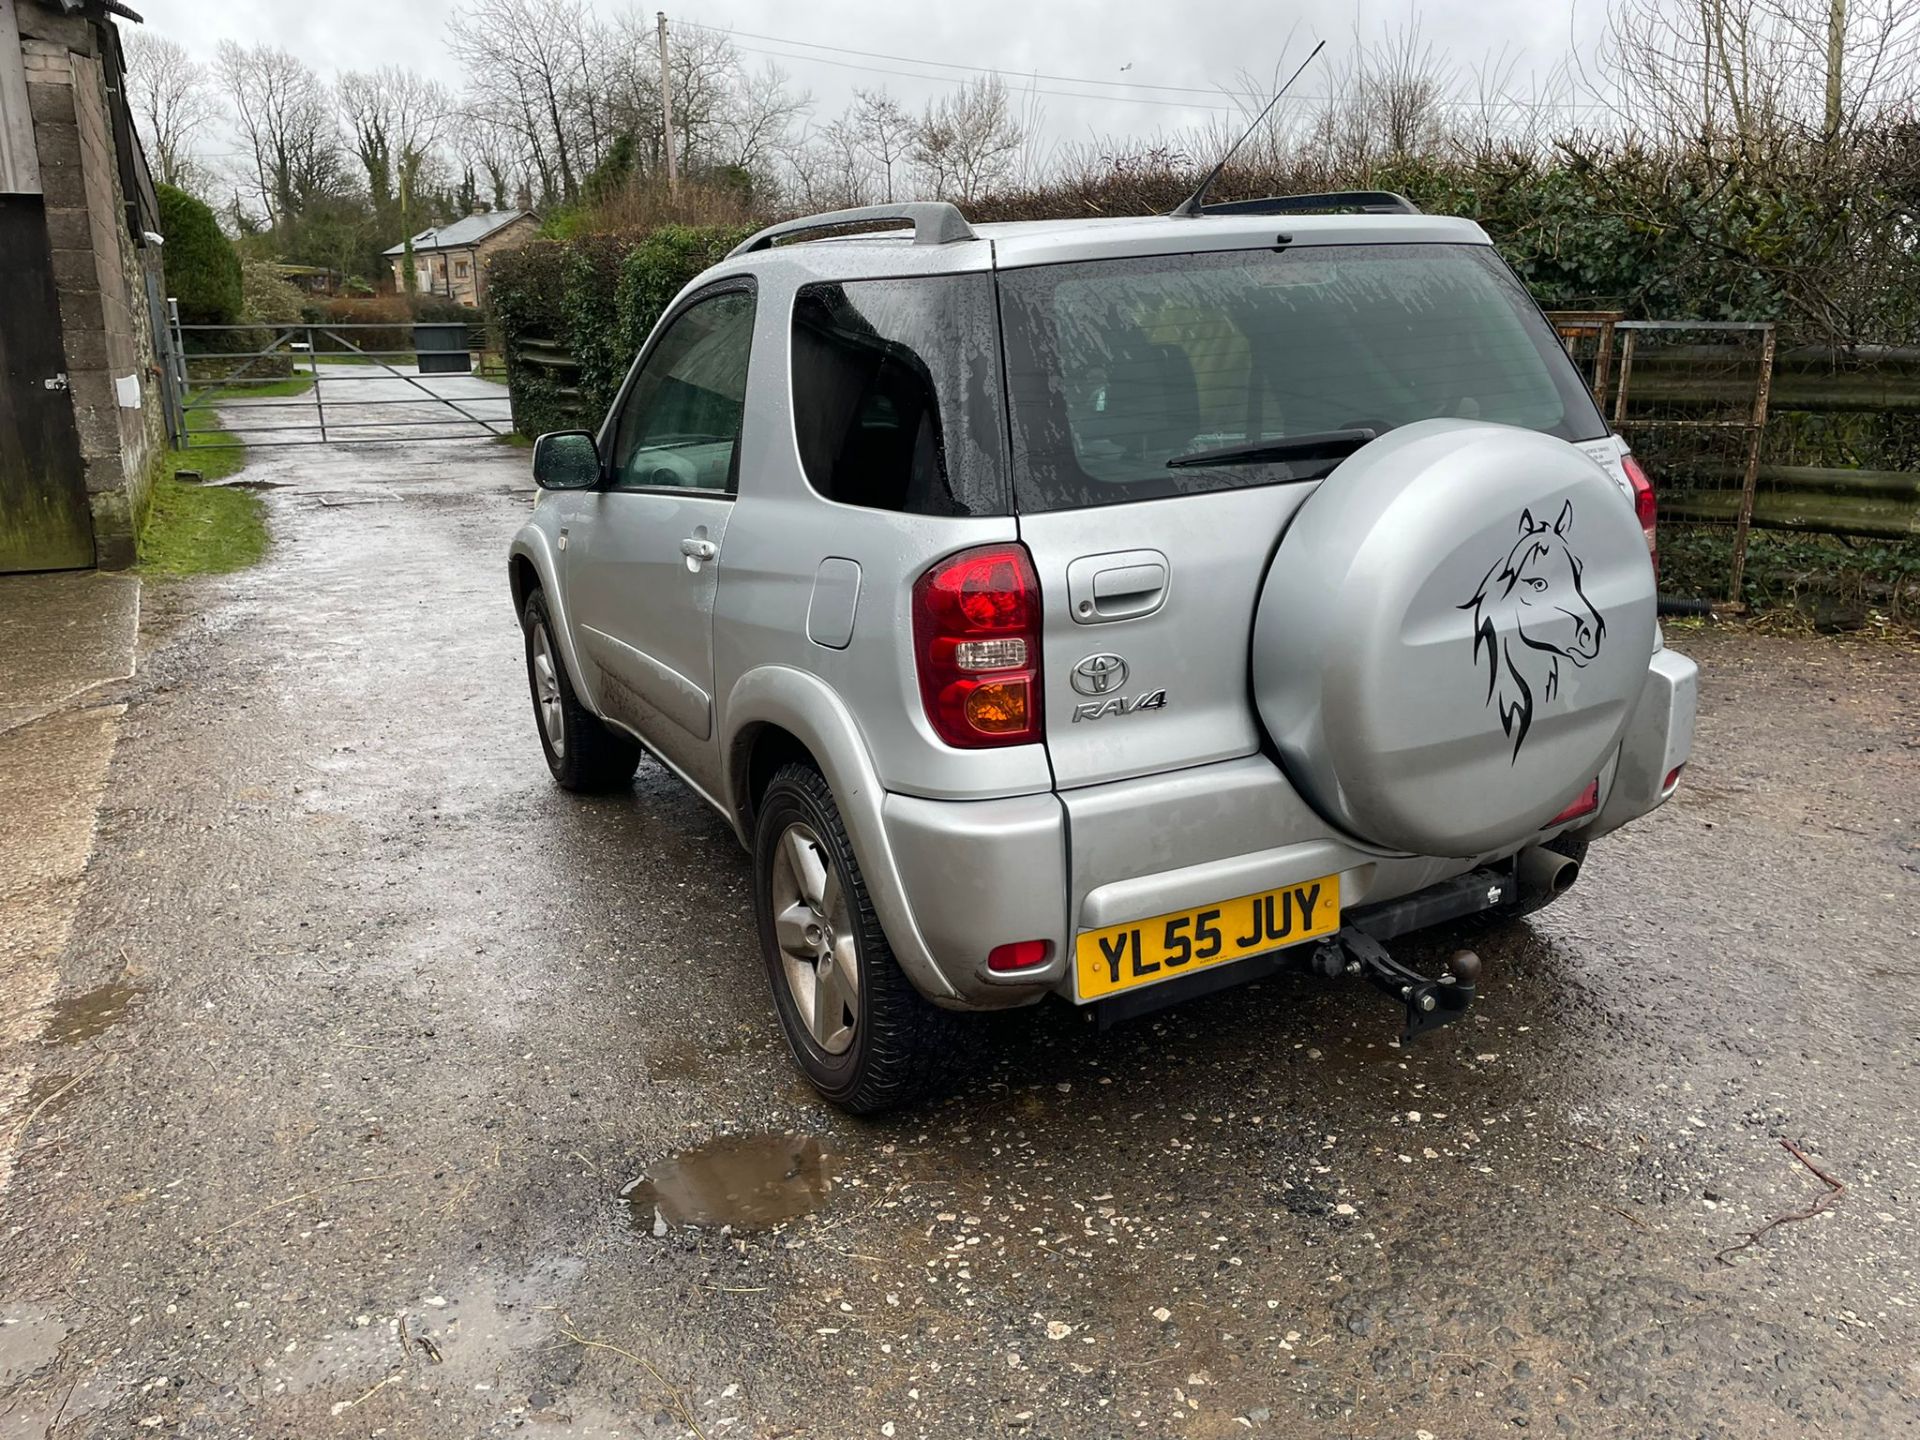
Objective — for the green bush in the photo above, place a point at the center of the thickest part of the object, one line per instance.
(202, 271)
(588, 304)
(265, 296)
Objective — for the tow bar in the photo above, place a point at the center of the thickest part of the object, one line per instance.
(1430, 1003)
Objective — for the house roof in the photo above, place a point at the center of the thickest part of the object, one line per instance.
(469, 230)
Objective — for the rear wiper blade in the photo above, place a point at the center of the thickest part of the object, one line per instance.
(1325, 445)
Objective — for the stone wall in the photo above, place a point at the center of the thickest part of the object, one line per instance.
(507, 237)
(99, 273)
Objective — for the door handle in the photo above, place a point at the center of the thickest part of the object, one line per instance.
(1123, 585)
(697, 549)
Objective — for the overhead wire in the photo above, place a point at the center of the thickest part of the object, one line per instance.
(1023, 78)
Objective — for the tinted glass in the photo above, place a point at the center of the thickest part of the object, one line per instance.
(897, 395)
(681, 421)
(1115, 367)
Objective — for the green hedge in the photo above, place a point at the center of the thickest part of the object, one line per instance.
(202, 269)
(595, 299)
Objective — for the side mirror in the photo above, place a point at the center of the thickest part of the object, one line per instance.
(566, 460)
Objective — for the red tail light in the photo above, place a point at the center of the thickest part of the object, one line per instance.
(1588, 802)
(976, 636)
(1020, 955)
(1645, 506)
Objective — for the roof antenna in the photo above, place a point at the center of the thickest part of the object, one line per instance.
(1194, 206)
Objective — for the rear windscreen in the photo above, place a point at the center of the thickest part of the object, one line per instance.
(1116, 367)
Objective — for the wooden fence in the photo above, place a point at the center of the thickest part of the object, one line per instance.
(1669, 385)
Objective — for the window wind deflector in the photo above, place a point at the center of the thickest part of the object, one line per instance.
(1324, 445)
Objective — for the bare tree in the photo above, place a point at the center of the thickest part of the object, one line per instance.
(966, 141)
(530, 66)
(1736, 74)
(396, 117)
(173, 95)
(759, 121)
(883, 130)
(498, 154)
(1405, 89)
(283, 119)
(828, 168)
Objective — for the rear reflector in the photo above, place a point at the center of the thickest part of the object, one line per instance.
(1588, 802)
(1020, 955)
(1673, 779)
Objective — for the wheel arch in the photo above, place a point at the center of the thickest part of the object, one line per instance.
(531, 566)
(775, 715)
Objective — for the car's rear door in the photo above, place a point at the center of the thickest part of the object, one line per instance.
(1120, 372)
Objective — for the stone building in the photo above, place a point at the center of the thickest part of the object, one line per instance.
(451, 260)
(82, 422)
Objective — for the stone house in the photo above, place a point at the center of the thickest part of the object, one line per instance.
(450, 260)
(82, 420)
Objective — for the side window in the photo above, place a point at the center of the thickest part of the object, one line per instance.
(897, 397)
(680, 424)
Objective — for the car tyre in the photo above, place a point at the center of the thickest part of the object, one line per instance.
(860, 1032)
(584, 754)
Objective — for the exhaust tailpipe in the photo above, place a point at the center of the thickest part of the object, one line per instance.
(1541, 871)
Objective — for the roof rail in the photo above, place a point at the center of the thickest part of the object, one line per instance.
(935, 222)
(1367, 202)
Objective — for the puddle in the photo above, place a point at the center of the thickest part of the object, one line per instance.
(751, 1182)
(29, 1342)
(90, 1013)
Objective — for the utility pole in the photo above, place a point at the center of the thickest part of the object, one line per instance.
(1836, 52)
(666, 105)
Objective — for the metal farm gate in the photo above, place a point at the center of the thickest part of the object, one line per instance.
(259, 385)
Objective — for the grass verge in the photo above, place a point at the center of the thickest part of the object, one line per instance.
(266, 390)
(199, 529)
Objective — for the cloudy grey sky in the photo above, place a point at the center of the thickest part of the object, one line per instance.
(1165, 44)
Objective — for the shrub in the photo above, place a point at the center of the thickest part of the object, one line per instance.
(572, 314)
(265, 296)
(394, 315)
(202, 271)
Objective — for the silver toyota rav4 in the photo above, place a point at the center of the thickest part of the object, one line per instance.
(1108, 609)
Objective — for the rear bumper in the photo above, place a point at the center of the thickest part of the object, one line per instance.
(978, 874)
(1658, 741)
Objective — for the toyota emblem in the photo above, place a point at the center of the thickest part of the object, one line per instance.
(1099, 674)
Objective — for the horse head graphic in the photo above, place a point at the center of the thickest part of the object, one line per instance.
(1529, 614)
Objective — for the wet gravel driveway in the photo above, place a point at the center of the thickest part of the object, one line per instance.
(364, 1028)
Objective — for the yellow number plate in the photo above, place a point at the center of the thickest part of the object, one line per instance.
(1143, 952)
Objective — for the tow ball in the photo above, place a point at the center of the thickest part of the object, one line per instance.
(1430, 1002)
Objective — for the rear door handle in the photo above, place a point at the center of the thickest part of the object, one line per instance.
(695, 548)
(1124, 585)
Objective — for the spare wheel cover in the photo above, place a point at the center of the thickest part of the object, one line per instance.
(1452, 635)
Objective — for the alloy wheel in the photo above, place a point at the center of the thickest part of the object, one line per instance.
(813, 924)
(546, 691)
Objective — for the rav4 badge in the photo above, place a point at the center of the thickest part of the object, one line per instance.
(1100, 675)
